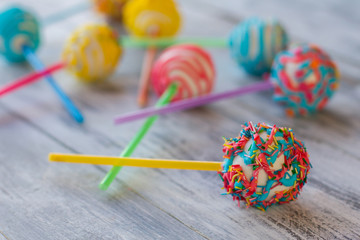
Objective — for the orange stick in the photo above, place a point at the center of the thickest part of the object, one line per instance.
(145, 73)
(145, 76)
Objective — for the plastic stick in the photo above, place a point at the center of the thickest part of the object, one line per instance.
(38, 66)
(28, 79)
(145, 76)
(193, 102)
(166, 42)
(136, 162)
(164, 99)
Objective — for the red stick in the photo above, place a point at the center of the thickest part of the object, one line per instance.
(30, 78)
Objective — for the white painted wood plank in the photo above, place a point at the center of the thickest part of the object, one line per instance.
(42, 201)
(190, 201)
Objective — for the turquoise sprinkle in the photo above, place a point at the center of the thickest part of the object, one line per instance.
(309, 85)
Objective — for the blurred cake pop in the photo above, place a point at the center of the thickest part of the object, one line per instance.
(305, 78)
(18, 28)
(146, 18)
(254, 44)
(188, 66)
(92, 52)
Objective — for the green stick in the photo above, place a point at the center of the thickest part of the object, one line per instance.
(166, 42)
(164, 100)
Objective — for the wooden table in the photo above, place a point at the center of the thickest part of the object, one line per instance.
(42, 200)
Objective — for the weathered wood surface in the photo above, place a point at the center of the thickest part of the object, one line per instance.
(39, 200)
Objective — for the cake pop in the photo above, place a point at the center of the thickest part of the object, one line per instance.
(263, 166)
(152, 18)
(304, 79)
(255, 42)
(189, 66)
(92, 52)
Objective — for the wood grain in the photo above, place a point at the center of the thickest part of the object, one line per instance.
(41, 200)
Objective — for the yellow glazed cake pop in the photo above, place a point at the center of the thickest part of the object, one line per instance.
(92, 52)
(159, 18)
(110, 8)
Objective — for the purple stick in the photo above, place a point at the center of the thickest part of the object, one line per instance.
(192, 102)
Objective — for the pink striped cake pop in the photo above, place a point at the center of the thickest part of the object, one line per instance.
(189, 66)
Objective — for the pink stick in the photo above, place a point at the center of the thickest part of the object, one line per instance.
(193, 102)
(30, 78)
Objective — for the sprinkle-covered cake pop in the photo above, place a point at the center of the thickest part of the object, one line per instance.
(305, 78)
(254, 44)
(265, 165)
(190, 66)
(159, 18)
(110, 8)
(92, 52)
(17, 28)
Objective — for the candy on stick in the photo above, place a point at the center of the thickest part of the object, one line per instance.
(181, 71)
(303, 78)
(19, 39)
(92, 52)
(154, 19)
(255, 42)
(263, 166)
(189, 66)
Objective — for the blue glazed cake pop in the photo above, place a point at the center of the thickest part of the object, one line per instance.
(17, 28)
(304, 78)
(254, 44)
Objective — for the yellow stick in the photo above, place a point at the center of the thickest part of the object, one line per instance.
(136, 162)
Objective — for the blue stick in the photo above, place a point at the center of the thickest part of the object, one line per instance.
(39, 66)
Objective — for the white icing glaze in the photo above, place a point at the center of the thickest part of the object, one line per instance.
(262, 176)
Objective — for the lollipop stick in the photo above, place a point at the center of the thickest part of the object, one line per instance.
(194, 102)
(38, 66)
(23, 81)
(166, 42)
(136, 162)
(164, 99)
(145, 76)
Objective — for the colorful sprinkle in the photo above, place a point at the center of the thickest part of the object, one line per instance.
(308, 92)
(282, 184)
